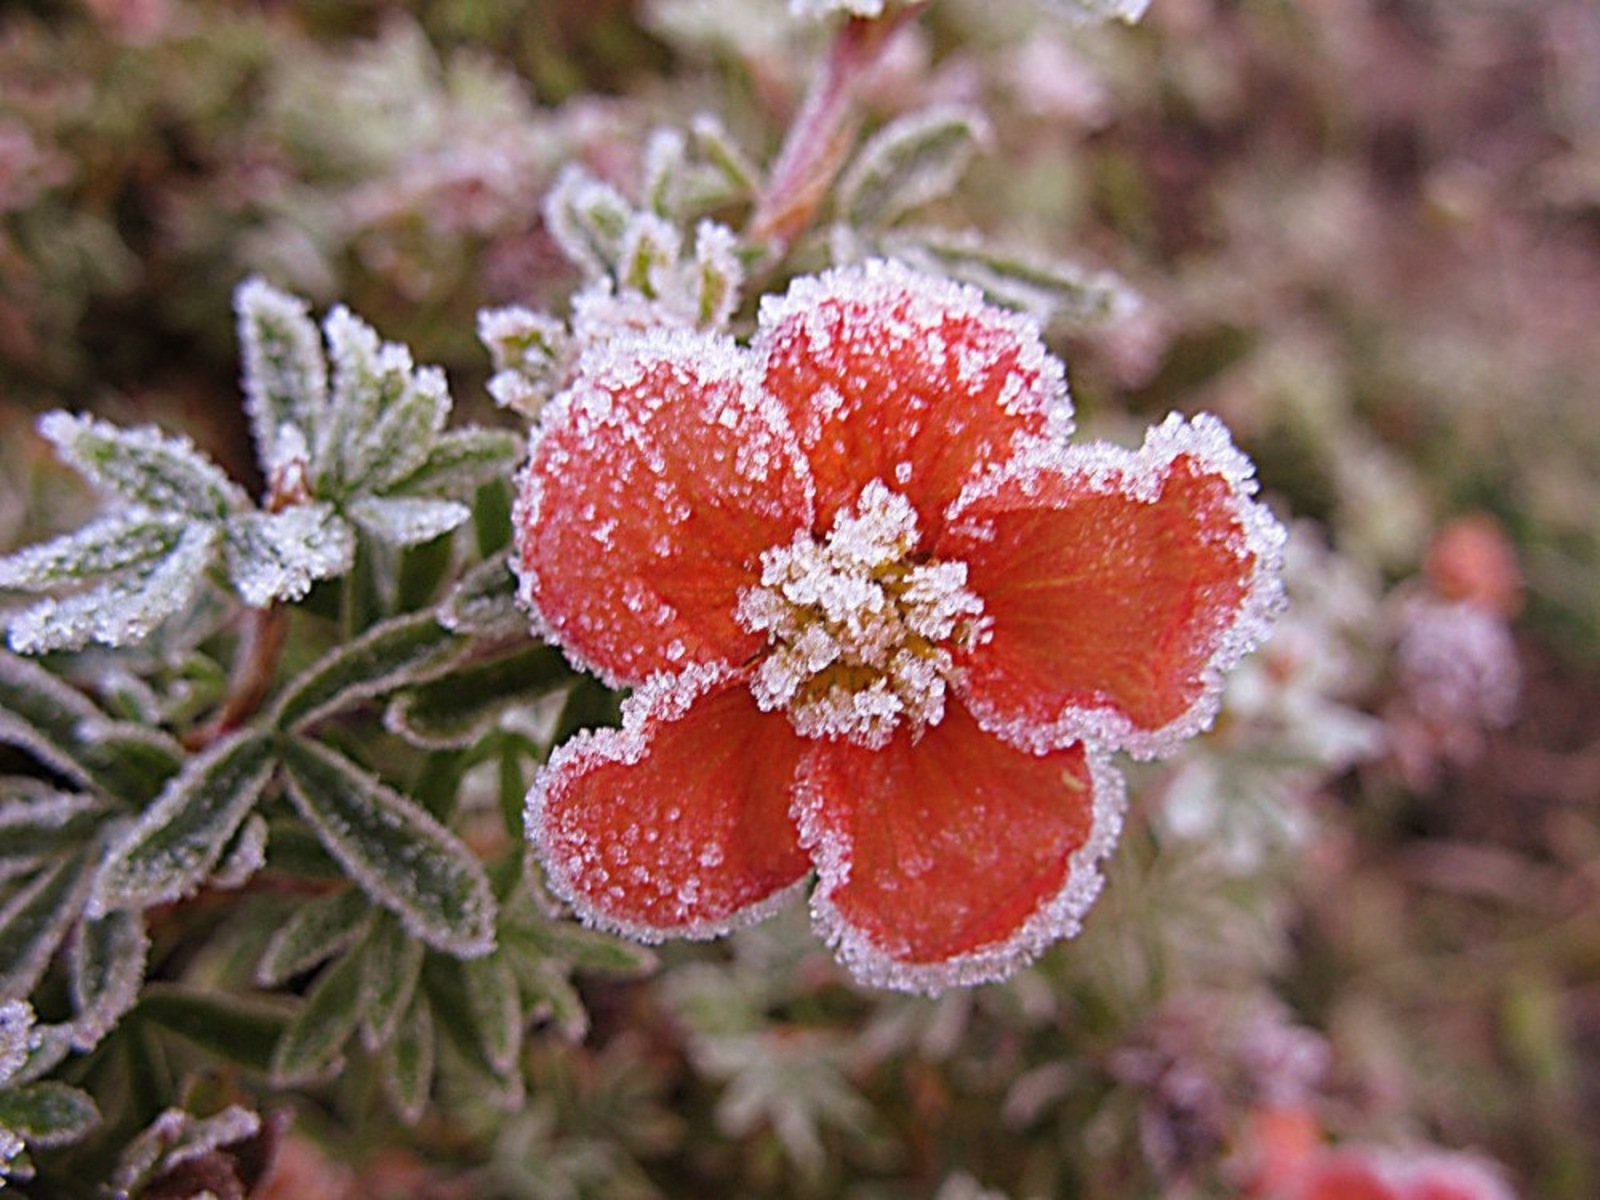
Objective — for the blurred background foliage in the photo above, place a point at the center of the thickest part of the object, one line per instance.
(1365, 232)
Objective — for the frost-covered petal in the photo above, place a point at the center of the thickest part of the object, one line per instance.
(653, 485)
(1121, 585)
(907, 378)
(953, 858)
(677, 824)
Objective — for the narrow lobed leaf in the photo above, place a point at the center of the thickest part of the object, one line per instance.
(124, 610)
(405, 650)
(129, 761)
(37, 821)
(314, 933)
(912, 161)
(285, 377)
(457, 710)
(245, 855)
(48, 1114)
(180, 838)
(37, 916)
(580, 947)
(407, 1063)
(404, 434)
(393, 966)
(484, 602)
(587, 218)
(235, 1028)
(143, 466)
(392, 847)
(462, 460)
(312, 1047)
(278, 556)
(369, 377)
(44, 716)
(112, 544)
(107, 969)
(406, 520)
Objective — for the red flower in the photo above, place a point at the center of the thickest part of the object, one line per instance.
(885, 624)
(1362, 1173)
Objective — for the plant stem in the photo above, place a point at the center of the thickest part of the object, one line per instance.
(265, 631)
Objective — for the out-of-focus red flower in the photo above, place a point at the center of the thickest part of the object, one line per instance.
(1472, 562)
(885, 623)
(1364, 1173)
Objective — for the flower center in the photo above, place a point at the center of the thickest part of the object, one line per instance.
(860, 632)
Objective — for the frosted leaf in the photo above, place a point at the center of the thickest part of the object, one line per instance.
(143, 466)
(36, 917)
(392, 847)
(650, 248)
(124, 610)
(17, 1037)
(177, 841)
(718, 273)
(461, 460)
(407, 1063)
(176, 1137)
(112, 544)
(285, 377)
(587, 219)
(315, 932)
(405, 520)
(49, 1114)
(273, 556)
(528, 350)
(403, 650)
(716, 146)
(496, 1007)
(369, 377)
(664, 165)
(246, 856)
(43, 715)
(405, 431)
(484, 602)
(393, 962)
(107, 969)
(1127, 11)
(37, 823)
(912, 161)
(456, 711)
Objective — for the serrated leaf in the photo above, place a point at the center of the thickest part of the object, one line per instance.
(392, 847)
(107, 968)
(484, 602)
(37, 916)
(404, 650)
(912, 161)
(125, 609)
(314, 933)
(456, 710)
(1048, 289)
(312, 1047)
(48, 1114)
(144, 466)
(107, 546)
(237, 1029)
(407, 1062)
(461, 460)
(285, 377)
(279, 555)
(393, 966)
(407, 520)
(179, 839)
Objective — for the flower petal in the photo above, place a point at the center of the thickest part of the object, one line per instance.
(676, 824)
(893, 375)
(1121, 586)
(652, 487)
(953, 858)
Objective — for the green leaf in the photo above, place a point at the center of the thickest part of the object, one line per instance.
(1050, 290)
(285, 377)
(554, 999)
(37, 916)
(39, 822)
(403, 857)
(496, 1006)
(478, 1026)
(108, 963)
(108, 546)
(48, 1114)
(314, 933)
(130, 761)
(393, 965)
(587, 219)
(459, 709)
(406, 520)
(237, 1029)
(370, 377)
(407, 1062)
(484, 602)
(404, 434)
(582, 948)
(45, 717)
(144, 466)
(912, 161)
(278, 556)
(397, 652)
(179, 839)
(460, 461)
(125, 609)
(312, 1046)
